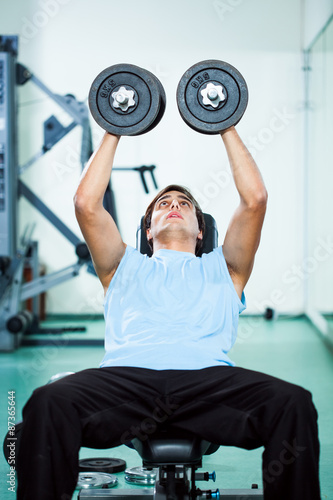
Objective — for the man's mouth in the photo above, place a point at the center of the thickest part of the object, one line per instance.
(174, 215)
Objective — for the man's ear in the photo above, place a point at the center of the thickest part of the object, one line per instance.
(148, 234)
(200, 236)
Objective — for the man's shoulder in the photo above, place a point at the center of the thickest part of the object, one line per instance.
(132, 254)
(214, 255)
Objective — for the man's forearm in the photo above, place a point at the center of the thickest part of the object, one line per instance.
(96, 175)
(245, 172)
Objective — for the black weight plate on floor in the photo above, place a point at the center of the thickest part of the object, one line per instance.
(108, 465)
(137, 119)
(206, 119)
(11, 443)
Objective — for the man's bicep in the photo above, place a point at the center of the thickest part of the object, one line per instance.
(104, 242)
(242, 240)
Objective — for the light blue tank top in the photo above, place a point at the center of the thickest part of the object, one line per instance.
(171, 311)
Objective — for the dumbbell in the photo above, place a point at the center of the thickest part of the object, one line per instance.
(212, 96)
(127, 100)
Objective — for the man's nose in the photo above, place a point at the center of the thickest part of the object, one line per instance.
(175, 204)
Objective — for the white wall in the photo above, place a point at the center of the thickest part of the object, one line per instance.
(67, 42)
(316, 15)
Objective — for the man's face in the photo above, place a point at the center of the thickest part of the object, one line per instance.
(174, 214)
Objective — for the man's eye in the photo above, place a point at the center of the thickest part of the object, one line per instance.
(185, 203)
(163, 203)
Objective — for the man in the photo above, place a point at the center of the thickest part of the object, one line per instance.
(170, 321)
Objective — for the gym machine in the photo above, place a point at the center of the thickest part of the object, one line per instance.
(16, 252)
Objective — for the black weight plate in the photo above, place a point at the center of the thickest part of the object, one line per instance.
(108, 465)
(209, 120)
(11, 443)
(139, 118)
(161, 109)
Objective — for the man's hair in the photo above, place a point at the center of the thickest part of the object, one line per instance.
(198, 212)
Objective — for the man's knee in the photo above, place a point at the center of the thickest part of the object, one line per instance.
(290, 397)
(300, 395)
(299, 400)
(41, 398)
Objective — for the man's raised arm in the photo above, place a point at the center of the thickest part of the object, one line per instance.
(98, 228)
(243, 234)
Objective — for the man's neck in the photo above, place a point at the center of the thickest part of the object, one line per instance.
(179, 246)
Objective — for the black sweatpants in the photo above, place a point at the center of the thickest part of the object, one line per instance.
(105, 407)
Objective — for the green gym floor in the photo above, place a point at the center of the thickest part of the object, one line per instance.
(287, 348)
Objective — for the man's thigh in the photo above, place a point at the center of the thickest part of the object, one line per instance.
(105, 402)
(230, 405)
